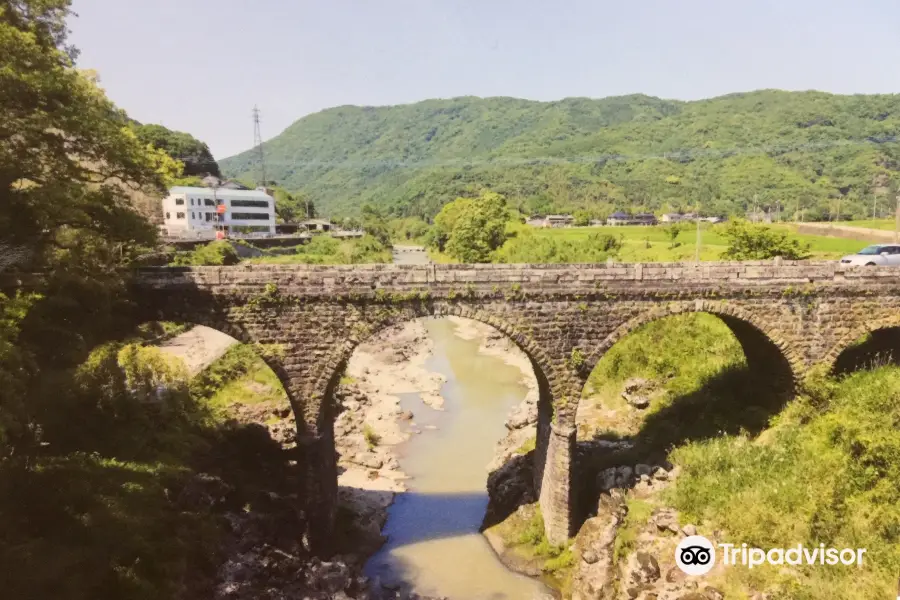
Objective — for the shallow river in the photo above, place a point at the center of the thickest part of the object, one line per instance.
(433, 541)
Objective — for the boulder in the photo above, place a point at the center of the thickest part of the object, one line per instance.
(509, 487)
(637, 401)
(640, 569)
(369, 460)
(666, 519)
(594, 573)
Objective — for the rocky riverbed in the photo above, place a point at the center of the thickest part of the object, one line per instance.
(266, 557)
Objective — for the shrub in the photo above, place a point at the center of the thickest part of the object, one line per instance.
(372, 438)
(216, 253)
(747, 241)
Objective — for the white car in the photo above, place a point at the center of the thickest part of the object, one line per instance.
(877, 255)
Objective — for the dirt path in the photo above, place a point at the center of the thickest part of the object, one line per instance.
(844, 231)
(198, 347)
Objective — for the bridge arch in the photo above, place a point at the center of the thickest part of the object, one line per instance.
(553, 448)
(871, 326)
(760, 342)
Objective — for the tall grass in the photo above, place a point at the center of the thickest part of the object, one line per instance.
(825, 468)
(827, 476)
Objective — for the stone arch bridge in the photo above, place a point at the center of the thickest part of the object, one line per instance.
(307, 320)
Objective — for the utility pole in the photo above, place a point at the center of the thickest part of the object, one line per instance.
(897, 222)
(257, 142)
(697, 252)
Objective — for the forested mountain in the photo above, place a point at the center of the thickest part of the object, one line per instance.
(198, 160)
(821, 153)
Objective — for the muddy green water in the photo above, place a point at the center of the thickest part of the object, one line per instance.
(434, 547)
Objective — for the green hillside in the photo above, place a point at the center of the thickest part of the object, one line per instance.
(820, 153)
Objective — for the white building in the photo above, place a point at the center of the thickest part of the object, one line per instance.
(194, 212)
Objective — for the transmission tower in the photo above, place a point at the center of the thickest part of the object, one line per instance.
(257, 143)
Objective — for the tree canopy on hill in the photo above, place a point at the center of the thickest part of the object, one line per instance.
(197, 159)
(822, 154)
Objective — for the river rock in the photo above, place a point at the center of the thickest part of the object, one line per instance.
(606, 479)
(369, 460)
(509, 487)
(641, 568)
(594, 573)
(525, 414)
(638, 401)
(636, 392)
(666, 519)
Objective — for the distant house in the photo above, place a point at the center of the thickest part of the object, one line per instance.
(536, 221)
(645, 219)
(194, 211)
(234, 185)
(559, 220)
(596, 223)
(618, 218)
(316, 225)
(672, 218)
(714, 219)
(550, 220)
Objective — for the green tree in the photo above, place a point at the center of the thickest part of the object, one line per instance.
(582, 218)
(673, 230)
(195, 155)
(477, 227)
(375, 225)
(291, 208)
(747, 241)
(445, 221)
(69, 165)
(217, 253)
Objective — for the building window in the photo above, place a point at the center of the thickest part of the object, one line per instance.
(208, 202)
(179, 201)
(209, 217)
(179, 215)
(249, 216)
(250, 203)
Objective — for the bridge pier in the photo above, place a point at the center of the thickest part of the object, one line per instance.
(556, 493)
(318, 471)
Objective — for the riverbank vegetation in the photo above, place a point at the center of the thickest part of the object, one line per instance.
(527, 550)
(822, 469)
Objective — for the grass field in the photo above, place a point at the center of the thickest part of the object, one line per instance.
(651, 244)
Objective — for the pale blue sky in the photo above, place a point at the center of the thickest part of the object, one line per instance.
(200, 65)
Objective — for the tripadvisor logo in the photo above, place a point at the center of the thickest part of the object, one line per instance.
(696, 555)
